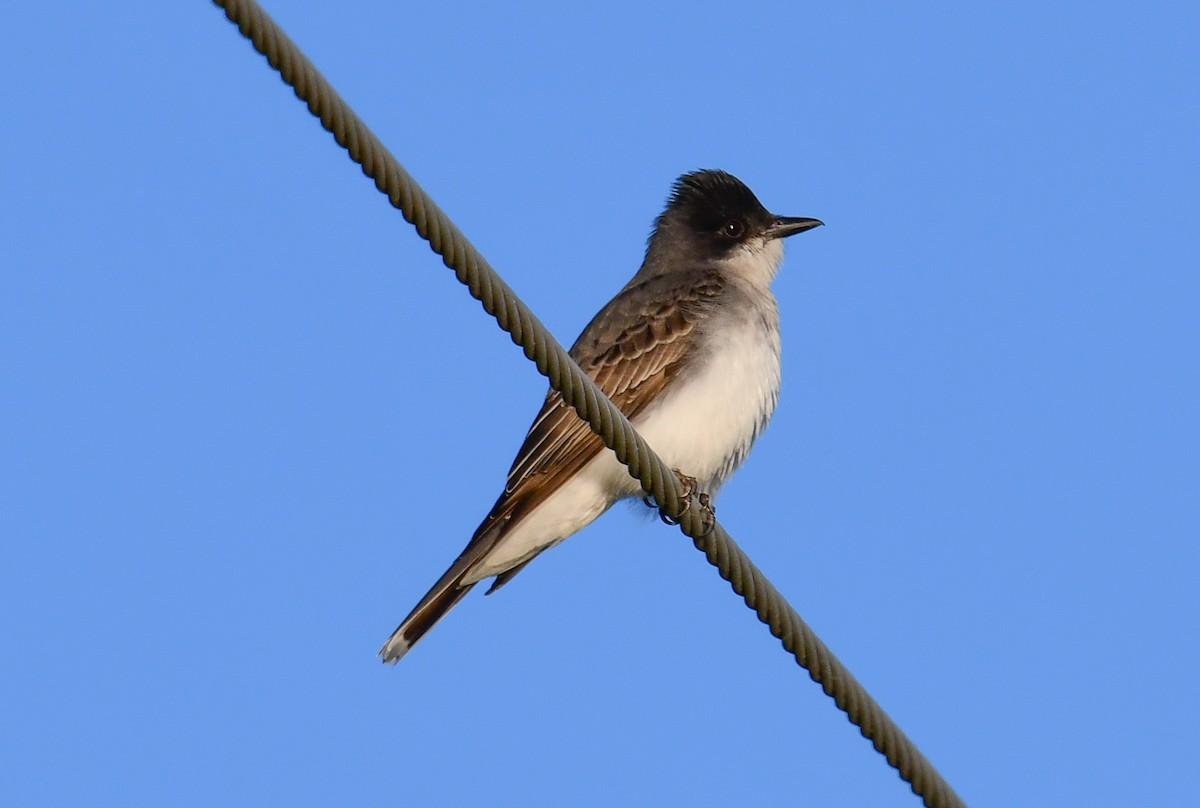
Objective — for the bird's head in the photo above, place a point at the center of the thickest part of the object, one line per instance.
(713, 217)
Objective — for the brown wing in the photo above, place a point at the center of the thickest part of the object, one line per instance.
(632, 349)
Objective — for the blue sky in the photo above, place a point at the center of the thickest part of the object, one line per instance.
(248, 417)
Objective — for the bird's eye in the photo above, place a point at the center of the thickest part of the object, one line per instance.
(733, 229)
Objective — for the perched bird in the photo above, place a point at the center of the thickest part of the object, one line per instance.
(688, 350)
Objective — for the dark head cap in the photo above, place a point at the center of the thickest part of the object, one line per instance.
(712, 212)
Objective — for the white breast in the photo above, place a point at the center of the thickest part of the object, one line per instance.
(707, 422)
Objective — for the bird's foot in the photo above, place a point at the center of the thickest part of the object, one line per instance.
(683, 478)
(709, 512)
(689, 487)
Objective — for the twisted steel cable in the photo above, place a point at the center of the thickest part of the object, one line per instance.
(658, 481)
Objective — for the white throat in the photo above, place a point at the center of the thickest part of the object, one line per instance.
(757, 261)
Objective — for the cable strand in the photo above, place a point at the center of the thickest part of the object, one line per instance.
(577, 389)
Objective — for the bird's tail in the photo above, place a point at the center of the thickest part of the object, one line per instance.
(433, 607)
(450, 588)
(447, 592)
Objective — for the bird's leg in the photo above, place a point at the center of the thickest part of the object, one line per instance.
(706, 506)
(709, 513)
(689, 486)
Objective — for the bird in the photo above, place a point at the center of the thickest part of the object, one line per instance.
(689, 350)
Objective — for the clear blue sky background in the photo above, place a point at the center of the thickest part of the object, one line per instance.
(248, 417)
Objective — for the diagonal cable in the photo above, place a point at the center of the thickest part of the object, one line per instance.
(658, 481)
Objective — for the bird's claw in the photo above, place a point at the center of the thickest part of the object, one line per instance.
(706, 507)
(689, 485)
(709, 514)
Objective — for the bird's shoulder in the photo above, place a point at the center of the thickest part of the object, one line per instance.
(650, 312)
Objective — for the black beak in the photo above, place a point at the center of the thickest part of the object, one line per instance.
(785, 226)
